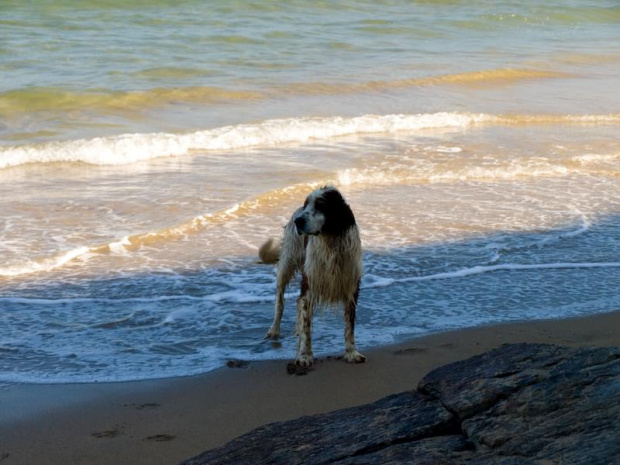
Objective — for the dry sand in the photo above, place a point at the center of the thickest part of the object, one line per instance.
(166, 421)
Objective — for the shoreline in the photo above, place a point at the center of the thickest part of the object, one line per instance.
(169, 420)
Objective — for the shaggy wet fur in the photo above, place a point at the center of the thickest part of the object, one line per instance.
(322, 241)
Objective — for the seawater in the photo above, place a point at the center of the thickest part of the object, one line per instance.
(148, 149)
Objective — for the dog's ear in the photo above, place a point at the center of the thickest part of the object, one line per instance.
(338, 215)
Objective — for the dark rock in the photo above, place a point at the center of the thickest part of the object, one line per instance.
(339, 435)
(473, 385)
(439, 450)
(536, 401)
(516, 405)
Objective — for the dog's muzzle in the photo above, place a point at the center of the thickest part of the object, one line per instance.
(300, 224)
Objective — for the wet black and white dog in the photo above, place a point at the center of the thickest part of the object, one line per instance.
(321, 240)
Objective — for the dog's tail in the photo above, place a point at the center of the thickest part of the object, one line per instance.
(269, 252)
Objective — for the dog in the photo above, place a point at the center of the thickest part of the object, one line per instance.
(322, 241)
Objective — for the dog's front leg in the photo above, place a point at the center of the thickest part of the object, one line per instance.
(351, 355)
(304, 333)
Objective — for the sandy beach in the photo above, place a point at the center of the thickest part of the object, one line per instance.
(166, 421)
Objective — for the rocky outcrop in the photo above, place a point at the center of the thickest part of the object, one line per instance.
(536, 401)
(519, 404)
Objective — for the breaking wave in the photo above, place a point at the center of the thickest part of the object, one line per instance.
(131, 148)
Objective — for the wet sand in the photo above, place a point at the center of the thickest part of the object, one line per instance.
(166, 421)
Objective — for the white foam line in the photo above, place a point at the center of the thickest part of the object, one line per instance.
(378, 281)
(45, 265)
(585, 226)
(479, 269)
(119, 247)
(228, 297)
(549, 240)
(78, 300)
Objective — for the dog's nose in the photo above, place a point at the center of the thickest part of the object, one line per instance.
(300, 222)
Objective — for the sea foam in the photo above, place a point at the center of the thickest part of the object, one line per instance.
(130, 148)
(45, 264)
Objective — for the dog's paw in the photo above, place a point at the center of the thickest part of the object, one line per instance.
(354, 356)
(304, 361)
(272, 334)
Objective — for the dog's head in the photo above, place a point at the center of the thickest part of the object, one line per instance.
(324, 212)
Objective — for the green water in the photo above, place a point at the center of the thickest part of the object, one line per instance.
(76, 69)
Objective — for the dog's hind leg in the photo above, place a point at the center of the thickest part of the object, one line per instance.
(351, 355)
(286, 270)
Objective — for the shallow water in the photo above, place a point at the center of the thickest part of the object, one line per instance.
(148, 150)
